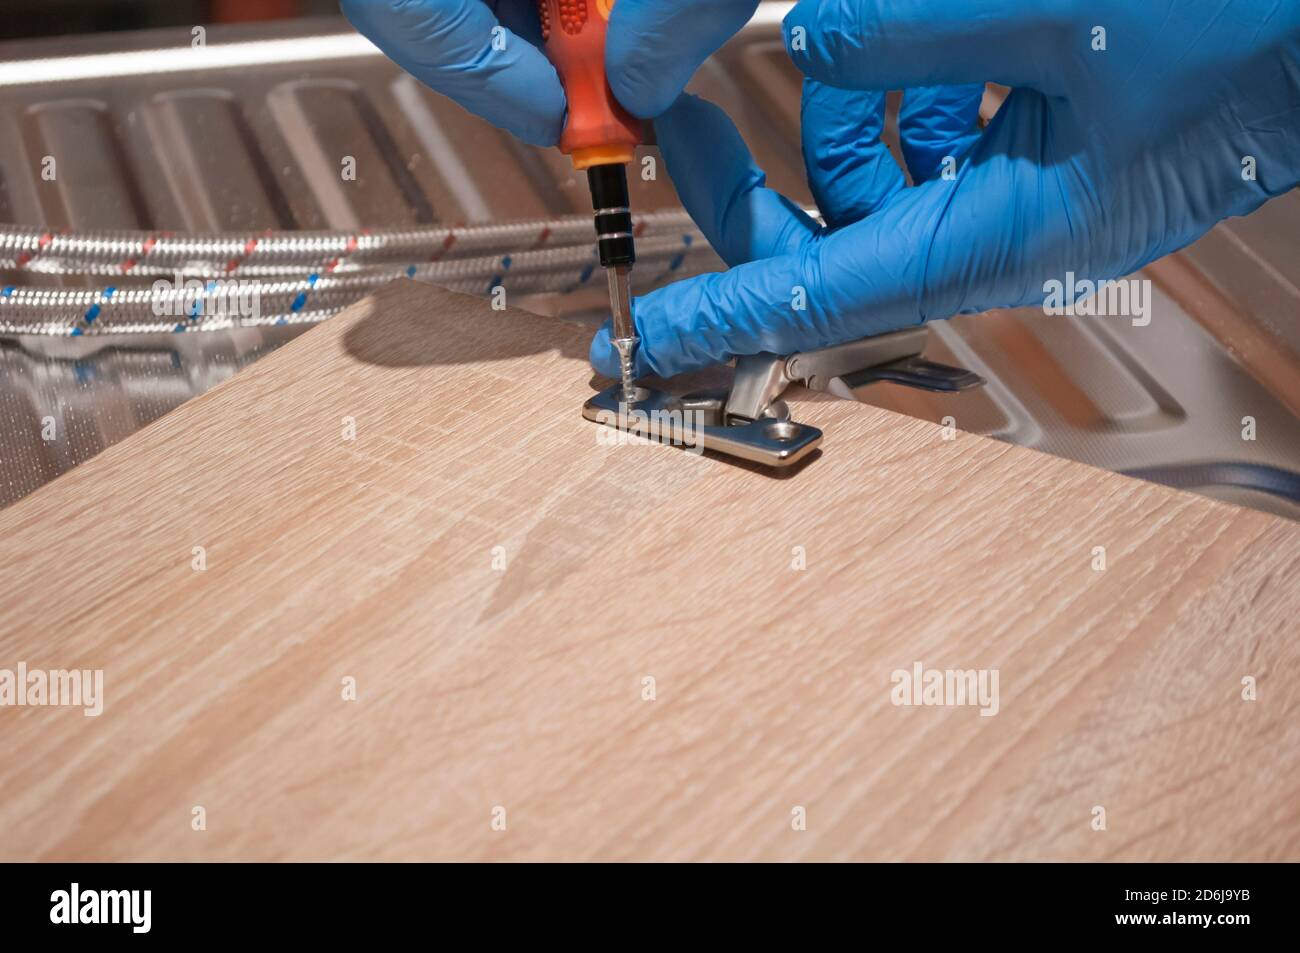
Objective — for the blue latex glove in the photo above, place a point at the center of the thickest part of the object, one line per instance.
(1099, 162)
(652, 48)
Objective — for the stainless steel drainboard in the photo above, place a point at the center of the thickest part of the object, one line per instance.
(207, 148)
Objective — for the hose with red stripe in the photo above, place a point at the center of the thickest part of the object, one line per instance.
(212, 303)
(25, 248)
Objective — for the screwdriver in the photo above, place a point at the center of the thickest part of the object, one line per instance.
(600, 137)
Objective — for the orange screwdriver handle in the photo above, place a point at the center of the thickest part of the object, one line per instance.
(599, 131)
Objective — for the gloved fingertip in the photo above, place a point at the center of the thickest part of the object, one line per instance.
(603, 355)
(654, 47)
(643, 89)
(450, 46)
(813, 34)
(687, 120)
(795, 27)
(542, 131)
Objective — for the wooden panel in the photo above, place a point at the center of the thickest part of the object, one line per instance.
(477, 688)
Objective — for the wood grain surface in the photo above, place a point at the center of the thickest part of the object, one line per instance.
(522, 693)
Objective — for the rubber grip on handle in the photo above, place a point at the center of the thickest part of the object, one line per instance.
(599, 131)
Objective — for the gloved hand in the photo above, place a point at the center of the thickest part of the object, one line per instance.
(1132, 129)
(652, 48)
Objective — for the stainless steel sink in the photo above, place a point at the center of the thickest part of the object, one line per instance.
(249, 135)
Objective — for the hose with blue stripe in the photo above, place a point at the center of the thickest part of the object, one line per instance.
(213, 303)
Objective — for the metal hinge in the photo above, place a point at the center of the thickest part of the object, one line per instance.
(752, 422)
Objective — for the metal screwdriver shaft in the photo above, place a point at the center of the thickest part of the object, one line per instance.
(617, 255)
(624, 337)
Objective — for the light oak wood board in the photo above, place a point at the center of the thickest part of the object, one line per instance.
(523, 690)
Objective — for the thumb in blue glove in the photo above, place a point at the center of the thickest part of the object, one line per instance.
(1131, 131)
(486, 55)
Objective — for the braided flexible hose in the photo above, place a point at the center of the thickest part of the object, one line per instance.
(25, 248)
(218, 303)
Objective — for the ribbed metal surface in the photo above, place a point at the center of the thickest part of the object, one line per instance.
(262, 146)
